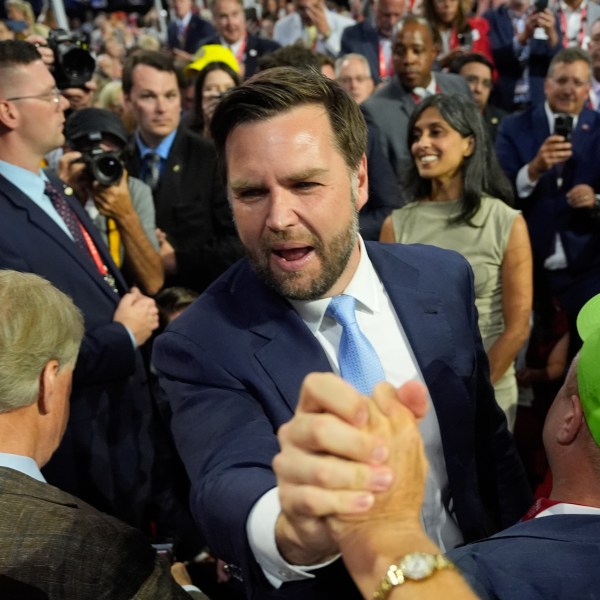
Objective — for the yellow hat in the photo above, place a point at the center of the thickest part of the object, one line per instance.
(212, 53)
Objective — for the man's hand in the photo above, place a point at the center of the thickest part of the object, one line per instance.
(167, 253)
(113, 201)
(72, 171)
(138, 313)
(318, 17)
(327, 465)
(582, 196)
(547, 21)
(41, 43)
(553, 151)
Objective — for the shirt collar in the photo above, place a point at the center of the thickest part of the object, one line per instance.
(363, 287)
(163, 149)
(28, 182)
(23, 464)
(184, 21)
(550, 117)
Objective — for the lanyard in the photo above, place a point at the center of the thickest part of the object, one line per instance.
(239, 55)
(102, 268)
(384, 71)
(564, 26)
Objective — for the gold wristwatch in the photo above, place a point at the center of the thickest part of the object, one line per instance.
(414, 567)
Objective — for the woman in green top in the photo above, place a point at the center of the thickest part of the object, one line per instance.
(460, 202)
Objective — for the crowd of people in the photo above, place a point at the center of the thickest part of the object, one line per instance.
(237, 194)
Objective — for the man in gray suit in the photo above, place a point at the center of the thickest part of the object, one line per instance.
(51, 542)
(414, 51)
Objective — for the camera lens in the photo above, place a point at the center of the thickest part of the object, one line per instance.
(107, 169)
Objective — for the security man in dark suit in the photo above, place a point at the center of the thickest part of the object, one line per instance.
(196, 234)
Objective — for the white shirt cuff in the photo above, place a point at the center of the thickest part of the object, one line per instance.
(523, 184)
(260, 529)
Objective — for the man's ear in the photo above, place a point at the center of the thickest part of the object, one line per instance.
(572, 421)
(47, 386)
(9, 114)
(362, 179)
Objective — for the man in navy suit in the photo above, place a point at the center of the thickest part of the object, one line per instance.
(373, 39)
(106, 455)
(230, 22)
(188, 31)
(557, 180)
(232, 365)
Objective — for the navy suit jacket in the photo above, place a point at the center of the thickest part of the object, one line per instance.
(255, 48)
(232, 366)
(362, 38)
(507, 64)
(550, 558)
(196, 34)
(106, 454)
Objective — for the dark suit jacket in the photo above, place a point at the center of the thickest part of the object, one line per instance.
(362, 38)
(196, 35)
(191, 207)
(390, 107)
(232, 366)
(550, 558)
(255, 48)
(106, 453)
(507, 64)
(492, 116)
(67, 549)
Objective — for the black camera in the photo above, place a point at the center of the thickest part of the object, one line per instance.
(563, 125)
(106, 167)
(73, 64)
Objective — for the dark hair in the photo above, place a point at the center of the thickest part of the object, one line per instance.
(172, 300)
(467, 58)
(197, 123)
(279, 90)
(412, 19)
(481, 172)
(297, 56)
(460, 21)
(151, 58)
(17, 52)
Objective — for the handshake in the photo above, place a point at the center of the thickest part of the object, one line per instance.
(351, 477)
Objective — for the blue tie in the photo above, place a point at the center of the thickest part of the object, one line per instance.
(359, 363)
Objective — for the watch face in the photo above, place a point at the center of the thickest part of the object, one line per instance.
(417, 565)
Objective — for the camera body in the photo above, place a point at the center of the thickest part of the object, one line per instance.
(105, 166)
(73, 64)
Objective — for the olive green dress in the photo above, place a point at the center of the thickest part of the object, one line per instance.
(483, 246)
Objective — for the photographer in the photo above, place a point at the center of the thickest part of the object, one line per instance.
(120, 206)
(549, 152)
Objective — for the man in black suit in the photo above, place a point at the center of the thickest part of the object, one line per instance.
(187, 32)
(49, 539)
(373, 38)
(477, 71)
(230, 21)
(107, 454)
(196, 233)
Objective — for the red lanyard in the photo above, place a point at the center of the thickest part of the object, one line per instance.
(564, 26)
(239, 55)
(384, 72)
(102, 268)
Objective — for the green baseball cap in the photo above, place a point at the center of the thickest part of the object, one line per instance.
(588, 368)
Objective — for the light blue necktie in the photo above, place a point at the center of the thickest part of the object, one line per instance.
(359, 363)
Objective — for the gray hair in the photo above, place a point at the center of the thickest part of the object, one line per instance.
(352, 55)
(38, 323)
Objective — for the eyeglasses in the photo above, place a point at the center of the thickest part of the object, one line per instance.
(562, 81)
(358, 79)
(52, 96)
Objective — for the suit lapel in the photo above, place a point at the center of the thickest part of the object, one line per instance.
(48, 227)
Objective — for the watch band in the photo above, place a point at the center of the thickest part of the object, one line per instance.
(415, 566)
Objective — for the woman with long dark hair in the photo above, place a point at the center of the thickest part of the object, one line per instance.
(460, 201)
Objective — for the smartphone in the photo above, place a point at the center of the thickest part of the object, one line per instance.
(563, 125)
(540, 5)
